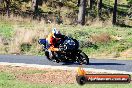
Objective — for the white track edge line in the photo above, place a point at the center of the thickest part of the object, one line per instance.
(64, 67)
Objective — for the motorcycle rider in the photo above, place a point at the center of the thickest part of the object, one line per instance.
(53, 38)
(61, 48)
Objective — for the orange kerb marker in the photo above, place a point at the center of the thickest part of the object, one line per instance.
(81, 71)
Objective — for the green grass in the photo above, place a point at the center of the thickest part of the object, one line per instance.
(82, 34)
(111, 46)
(9, 81)
(6, 30)
(98, 86)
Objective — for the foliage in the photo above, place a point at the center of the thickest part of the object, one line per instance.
(129, 2)
(52, 8)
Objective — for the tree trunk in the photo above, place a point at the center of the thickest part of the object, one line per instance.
(78, 3)
(35, 8)
(7, 8)
(91, 4)
(99, 8)
(114, 13)
(34, 5)
(82, 10)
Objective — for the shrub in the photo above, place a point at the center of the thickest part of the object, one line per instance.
(121, 48)
(87, 44)
(25, 47)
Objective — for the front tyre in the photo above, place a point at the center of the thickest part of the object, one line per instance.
(83, 58)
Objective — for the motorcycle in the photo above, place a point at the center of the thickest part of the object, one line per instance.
(70, 51)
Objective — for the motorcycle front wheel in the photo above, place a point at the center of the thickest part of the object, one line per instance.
(83, 58)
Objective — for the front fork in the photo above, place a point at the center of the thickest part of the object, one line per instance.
(78, 56)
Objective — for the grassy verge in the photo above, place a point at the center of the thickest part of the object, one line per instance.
(99, 40)
(112, 42)
(9, 81)
(6, 30)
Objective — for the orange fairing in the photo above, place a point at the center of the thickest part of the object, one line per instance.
(81, 71)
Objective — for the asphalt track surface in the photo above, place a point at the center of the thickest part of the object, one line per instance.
(107, 64)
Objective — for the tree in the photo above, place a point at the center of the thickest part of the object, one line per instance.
(35, 5)
(91, 4)
(129, 2)
(114, 13)
(7, 7)
(78, 3)
(99, 8)
(82, 10)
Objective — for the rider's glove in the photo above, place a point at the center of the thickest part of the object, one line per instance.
(61, 49)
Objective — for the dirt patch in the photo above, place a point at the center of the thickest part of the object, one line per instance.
(42, 75)
(62, 77)
(101, 38)
(35, 75)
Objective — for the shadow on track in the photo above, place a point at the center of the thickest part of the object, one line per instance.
(68, 63)
(105, 64)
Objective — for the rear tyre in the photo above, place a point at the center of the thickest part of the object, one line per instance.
(47, 55)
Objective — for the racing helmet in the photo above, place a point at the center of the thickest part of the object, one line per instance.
(55, 32)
